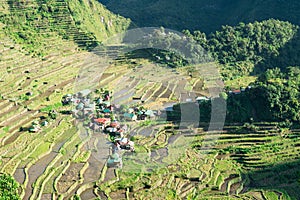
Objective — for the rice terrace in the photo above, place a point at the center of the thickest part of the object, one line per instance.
(94, 106)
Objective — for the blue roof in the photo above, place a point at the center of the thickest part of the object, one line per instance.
(169, 109)
(129, 115)
(106, 111)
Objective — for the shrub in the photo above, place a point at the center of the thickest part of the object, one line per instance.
(8, 187)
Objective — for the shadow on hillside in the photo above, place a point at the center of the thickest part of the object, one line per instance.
(283, 177)
(289, 55)
(206, 16)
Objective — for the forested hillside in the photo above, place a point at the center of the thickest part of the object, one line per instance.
(242, 50)
(207, 16)
(252, 48)
(273, 97)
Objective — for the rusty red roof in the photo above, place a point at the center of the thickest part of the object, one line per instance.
(102, 120)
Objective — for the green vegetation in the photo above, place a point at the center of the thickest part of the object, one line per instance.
(8, 188)
(235, 161)
(241, 82)
(242, 50)
(203, 15)
(248, 48)
(279, 93)
(256, 155)
(83, 157)
(40, 150)
(101, 23)
(273, 97)
(79, 21)
(51, 107)
(5, 129)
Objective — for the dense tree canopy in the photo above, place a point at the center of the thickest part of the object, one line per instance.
(207, 16)
(241, 48)
(275, 96)
(8, 188)
(280, 93)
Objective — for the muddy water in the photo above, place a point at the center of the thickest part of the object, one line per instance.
(226, 181)
(120, 194)
(69, 177)
(127, 96)
(147, 131)
(125, 93)
(46, 197)
(154, 154)
(93, 172)
(102, 195)
(121, 92)
(19, 175)
(173, 138)
(38, 168)
(110, 174)
(163, 153)
(97, 159)
(88, 194)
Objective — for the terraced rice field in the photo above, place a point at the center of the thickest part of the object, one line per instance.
(47, 164)
(237, 171)
(62, 160)
(59, 162)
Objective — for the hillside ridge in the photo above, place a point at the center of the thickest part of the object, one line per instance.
(203, 15)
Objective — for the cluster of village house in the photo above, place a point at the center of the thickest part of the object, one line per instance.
(98, 114)
(239, 91)
(37, 125)
(100, 111)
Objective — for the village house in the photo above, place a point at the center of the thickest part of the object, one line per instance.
(102, 108)
(102, 122)
(115, 124)
(236, 92)
(124, 143)
(35, 127)
(201, 99)
(130, 116)
(114, 160)
(114, 132)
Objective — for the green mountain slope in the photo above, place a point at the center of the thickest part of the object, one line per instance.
(43, 44)
(247, 47)
(206, 16)
(242, 50)
(33, 23)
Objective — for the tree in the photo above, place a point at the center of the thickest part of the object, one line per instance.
(223, 95)
(241, 48)
(8, 188)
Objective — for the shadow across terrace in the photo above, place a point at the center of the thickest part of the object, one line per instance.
(282, 178)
